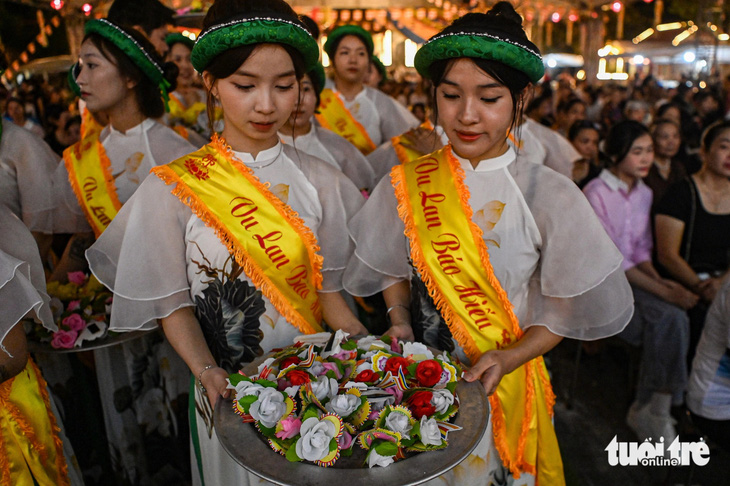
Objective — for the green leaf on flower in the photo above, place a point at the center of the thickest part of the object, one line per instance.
(237, 378)
(385, 448)
(291, 454)
(333, 444)
(309, 412)
(347, 452)
(451, 387)
(412, 369)
(349, 345)
(268, 432)
(246, 402)
(266, 383)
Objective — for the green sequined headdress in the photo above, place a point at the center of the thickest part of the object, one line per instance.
(381, 68)
(254, 30)
(316, 74)
(132, 49)
(481, 40)
(349, 29)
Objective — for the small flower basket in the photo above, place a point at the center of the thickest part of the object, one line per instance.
(370, 403)
(81, 309)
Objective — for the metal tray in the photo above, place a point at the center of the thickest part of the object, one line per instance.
(251, 450)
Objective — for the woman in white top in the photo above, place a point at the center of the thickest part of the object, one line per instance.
(191, 264)
(350, 48)
(468, 232)
(120, 74)
(301, 132)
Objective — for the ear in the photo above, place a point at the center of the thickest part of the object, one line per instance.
(210, 83)
(130, 83)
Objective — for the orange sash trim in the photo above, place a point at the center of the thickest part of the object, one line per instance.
(334, 116)
(89, 125)
(522, 406)
(90, 176)
(302, 311)
(406, 154)
(24, 399)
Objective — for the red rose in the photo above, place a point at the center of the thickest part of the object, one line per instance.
(298, 377)
(395, 363)
(428, 372)
(420, 404)
(285, 363)
(367, 376)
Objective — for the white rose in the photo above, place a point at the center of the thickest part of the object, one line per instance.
(317, 368)
(398, 422)
(418, 350)
(370, 342)
(430, 433)
(269, 408)
(442, 400)
(292, 391)
(245, 388)
(314, 444)
(324, 388)
(343, 405)
(340, 336)
(375, 459)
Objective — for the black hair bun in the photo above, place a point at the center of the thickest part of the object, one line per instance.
(504, 11)
(170, 72)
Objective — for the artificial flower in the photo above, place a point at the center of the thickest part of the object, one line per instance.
(78, 278)
(367, 376)
(395, 363)
(74, 322)
(442, 400)
(269, 408)
(429, 431)
(316, 434)
(73, 305)
(298, 377)
(399, 422)
(343, 405)
(418, 351)
(375, 459)
(64, 339)
(420, 404)
(369, 343)
(428, 372)
(291, 360)
(290, 427)
(245, 388)
(324, 388)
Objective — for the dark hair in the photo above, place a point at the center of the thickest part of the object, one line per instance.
(74, 120)
(712, 132)
(663, 121)
(621, 137)
(565, 105)
(501, 18)
(579, 126)
(663, 109)
(226, 63)
(311, 26)
(149, 15)
(147, 94)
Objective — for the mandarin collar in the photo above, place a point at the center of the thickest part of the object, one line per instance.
(268, 155)
(488, 165)
(290, 140)
(146, 124)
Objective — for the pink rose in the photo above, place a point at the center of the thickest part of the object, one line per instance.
(345, 440)
(396, 392)
(64, 339)
(289, 427)
(344, 355)
(327, 366)
(73, 305)
(78, 278)
(74, 322)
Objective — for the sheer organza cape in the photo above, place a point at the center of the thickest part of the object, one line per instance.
(142, 255)
(577, 288)
(22, 283)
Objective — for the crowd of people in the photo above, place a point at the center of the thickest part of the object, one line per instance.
(233, 194)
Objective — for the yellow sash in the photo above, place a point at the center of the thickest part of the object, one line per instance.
(449, 253)
(334, 116)
(189, 115)
(89, 125)
(30, 446)
(404, 152)
(90, 175)
(266, 237)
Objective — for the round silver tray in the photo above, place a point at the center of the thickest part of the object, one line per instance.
(38, 347)
(250, 449)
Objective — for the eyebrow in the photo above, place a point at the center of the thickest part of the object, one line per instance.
(481, 86)
(240, 72)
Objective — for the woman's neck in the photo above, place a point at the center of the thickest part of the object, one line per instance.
(125, 115)
(347, 89)
(295, 131)
(627, 179)
(711, 180)
(241, 143)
